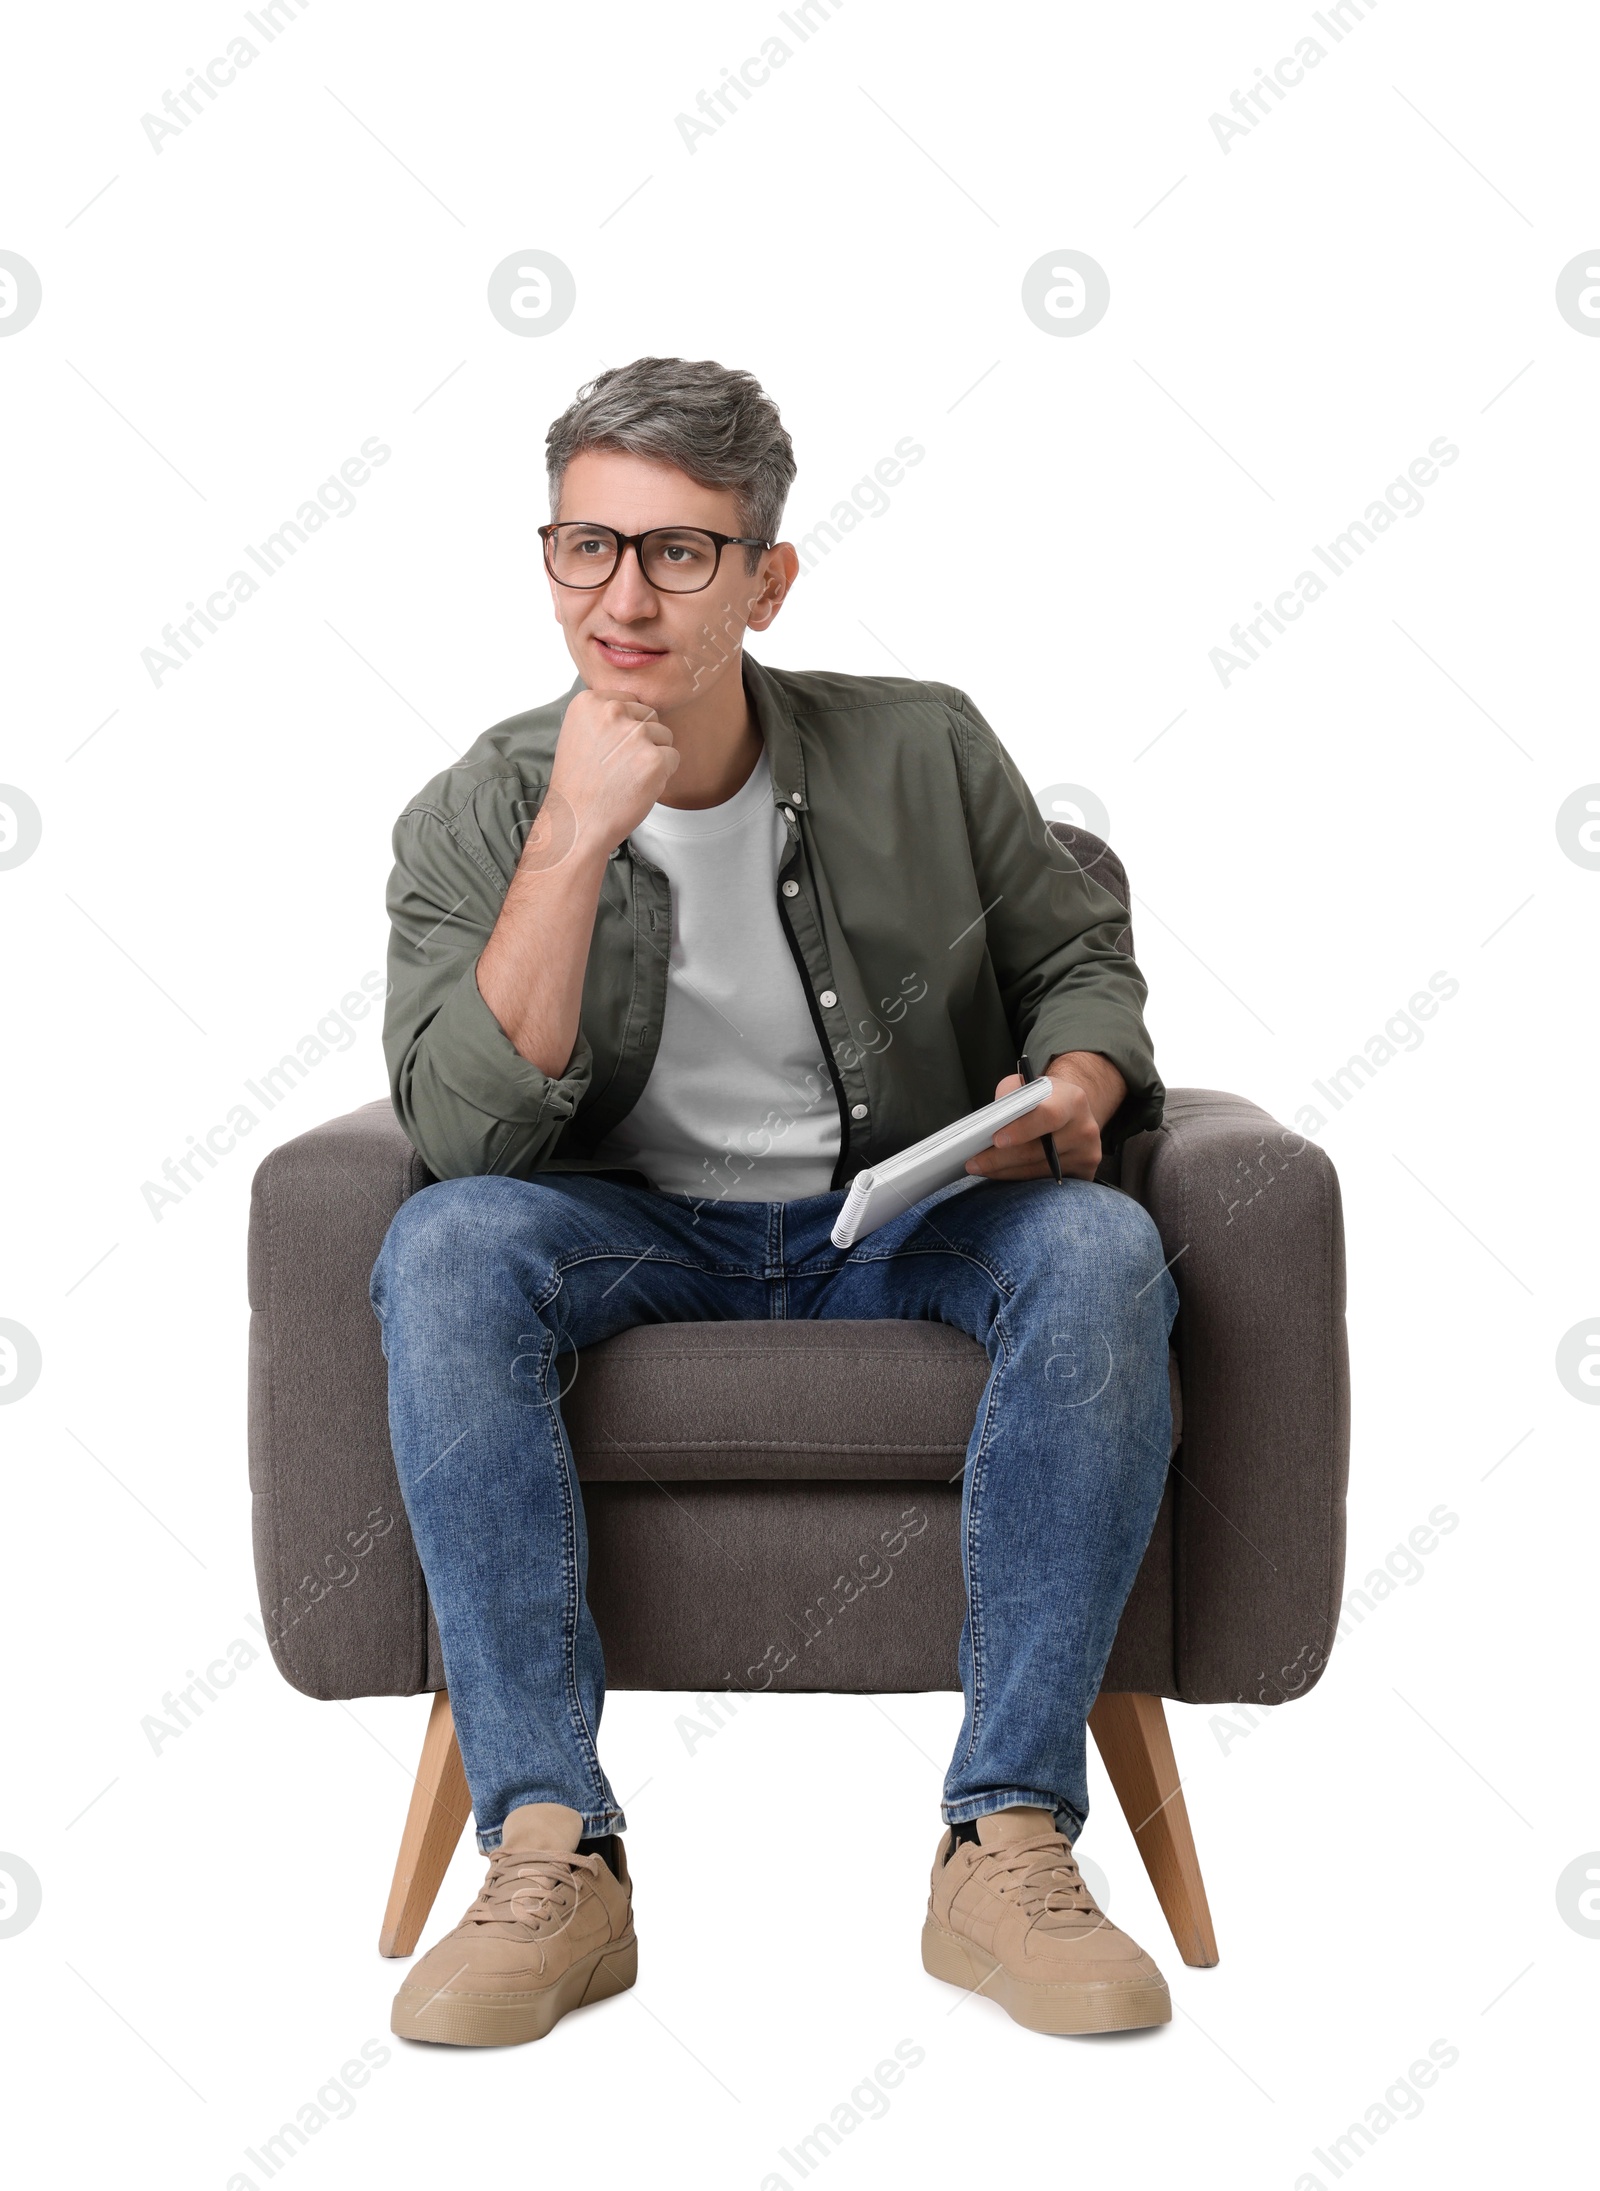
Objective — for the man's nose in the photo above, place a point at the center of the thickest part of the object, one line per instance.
(629, 592)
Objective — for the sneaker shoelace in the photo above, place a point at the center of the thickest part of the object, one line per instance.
(537, 1890)
(1041, 1877)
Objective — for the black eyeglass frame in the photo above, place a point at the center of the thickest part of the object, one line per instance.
(636, 542)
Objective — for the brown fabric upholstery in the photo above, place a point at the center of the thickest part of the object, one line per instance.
(1252, 1214)
(736, 1474)
(801, 1401)
(784, 1568)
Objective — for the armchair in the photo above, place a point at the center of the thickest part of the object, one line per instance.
(733, 1473)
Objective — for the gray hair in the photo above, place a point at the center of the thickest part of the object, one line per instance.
(715, 424)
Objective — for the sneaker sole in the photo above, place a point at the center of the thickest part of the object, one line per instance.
(482, 2019)
(1061, 2009)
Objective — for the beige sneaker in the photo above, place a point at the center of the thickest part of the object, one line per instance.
(1009, 1916)
(551, 1931)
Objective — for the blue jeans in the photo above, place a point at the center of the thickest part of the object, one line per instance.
(483, 1284)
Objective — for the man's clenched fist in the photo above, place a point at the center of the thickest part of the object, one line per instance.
(614, 758)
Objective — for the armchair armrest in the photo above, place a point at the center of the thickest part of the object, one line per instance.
(329, 1525)
(1251, 1221)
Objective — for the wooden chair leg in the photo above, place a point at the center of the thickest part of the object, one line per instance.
(440, 1809)
(1131, 1734)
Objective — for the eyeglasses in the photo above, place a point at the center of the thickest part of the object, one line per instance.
(675, 558)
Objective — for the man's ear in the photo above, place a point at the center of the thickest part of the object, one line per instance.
(783, 568)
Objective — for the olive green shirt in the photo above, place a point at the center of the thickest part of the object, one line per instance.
(938, 928)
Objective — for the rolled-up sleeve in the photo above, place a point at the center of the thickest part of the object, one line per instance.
(469, 1101)
(1052, 933)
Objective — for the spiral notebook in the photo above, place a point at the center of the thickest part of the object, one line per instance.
(886, 1189)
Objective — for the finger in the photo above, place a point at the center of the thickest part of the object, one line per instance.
(1032, 1127)
(1002, 1163)
(1033, 1169)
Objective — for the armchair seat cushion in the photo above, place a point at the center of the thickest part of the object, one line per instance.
(862, 1402)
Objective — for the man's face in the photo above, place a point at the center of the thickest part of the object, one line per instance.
(626, 637)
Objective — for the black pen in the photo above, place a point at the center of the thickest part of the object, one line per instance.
(1047, 1142)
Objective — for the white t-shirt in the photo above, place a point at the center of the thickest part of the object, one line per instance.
(739, 1105)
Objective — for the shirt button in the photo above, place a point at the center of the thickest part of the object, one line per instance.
(828, 997)
(791, 890)
(858, 1110)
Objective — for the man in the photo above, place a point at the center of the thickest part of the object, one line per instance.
(673, 958)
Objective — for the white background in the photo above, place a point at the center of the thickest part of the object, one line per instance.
(224, 322)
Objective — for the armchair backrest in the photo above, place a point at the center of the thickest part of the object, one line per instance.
(1097, 859)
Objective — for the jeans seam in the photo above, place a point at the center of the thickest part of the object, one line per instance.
(561, 1264)
(1002, 1278)
(573, 1606)
(972, 1535)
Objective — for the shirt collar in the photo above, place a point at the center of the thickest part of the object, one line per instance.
(779, 733)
